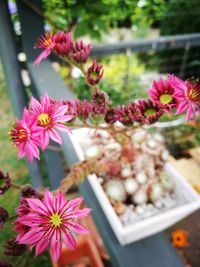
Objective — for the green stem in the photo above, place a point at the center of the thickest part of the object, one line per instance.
(81, 68)
(20, 262)
(16, 186)
(11, 218)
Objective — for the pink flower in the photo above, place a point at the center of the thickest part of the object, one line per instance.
(164, 93)
(51, 221)
(60, 43)
(25, 136)
(94, 73)
(49, 116)
(189, 97)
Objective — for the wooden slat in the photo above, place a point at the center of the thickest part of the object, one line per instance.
(195, 153)
(189, 168)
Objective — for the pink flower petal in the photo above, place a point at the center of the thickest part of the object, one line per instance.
(45, 100)
(32, 236)
(35, 104)
(36, 204)
(61, 111)
(48, 201)
(74, 203)
(30, 220)
(62, 128)
(60, 200)
(77, 227)
(54, 135)
(181, 107)
(45, 139)
(56, 245)
(77, 214)
(42, 56)
(69, 240)
(41, 246)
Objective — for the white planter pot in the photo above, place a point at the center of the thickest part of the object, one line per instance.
(150, 225)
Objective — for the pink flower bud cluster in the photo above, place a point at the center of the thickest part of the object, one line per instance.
(63, 45)
(44, 119)
(172, 95)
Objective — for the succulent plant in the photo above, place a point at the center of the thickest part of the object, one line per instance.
(141, 178)
(140, 197)
(166, 181)
(155, 191)
(130, 185)
(115, 190)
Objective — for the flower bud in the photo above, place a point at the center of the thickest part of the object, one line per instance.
(100, 102)
(3, 216)
(124, 116)
(149, 111)
(13, 248)
(28, 191)
(80, 51)
(94, 73)
(5, 264)
(5, 182)
(111, 116)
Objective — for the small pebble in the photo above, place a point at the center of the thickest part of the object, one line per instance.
(119, 208)
(158, 204)
(139, 210)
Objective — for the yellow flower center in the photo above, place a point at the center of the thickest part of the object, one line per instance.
(56, 220)
(47, 40)
(150, 112)
(194, 94)
(44, 119)
(165, 99)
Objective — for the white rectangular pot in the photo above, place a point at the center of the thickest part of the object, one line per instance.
(150, 225)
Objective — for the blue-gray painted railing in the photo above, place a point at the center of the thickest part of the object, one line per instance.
(159, 44)
(12, 71)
